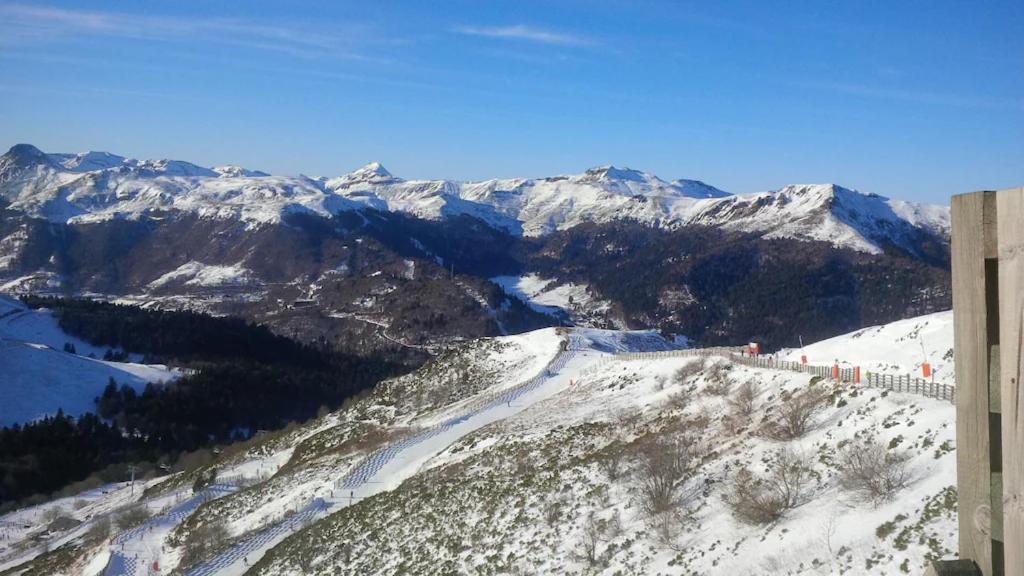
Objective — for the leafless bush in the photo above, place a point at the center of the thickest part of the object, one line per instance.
(52, 513)
(872, 471)
(743, 401)
(629, 418)
(132, 517)
(665, 467)
(554, 510)
(687, 371)
(762, 500)
(611, 462)
(597, 532)
(715, 371)
(681, 399)
(203, 542)
(796, 414)
(98, 532)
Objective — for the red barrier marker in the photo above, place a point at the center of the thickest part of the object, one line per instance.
(926, 369)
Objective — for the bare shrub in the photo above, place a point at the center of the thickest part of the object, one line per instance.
(597, 532)
(733, 424)
(687, 371)
(52, 513)
(743, 401)
(665, 467)
(795, 415)
(203, 542)
(872, 471)
(681, 399)
(98, 532)
(554, 510)
(718, 387)
(611, 462)
(132, 517)
(763, 500)
(716, 371)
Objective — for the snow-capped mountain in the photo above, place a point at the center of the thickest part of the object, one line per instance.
(96, 186)
(828, 213)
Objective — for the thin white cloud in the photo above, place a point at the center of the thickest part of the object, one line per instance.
(22, 23)
(527, 34)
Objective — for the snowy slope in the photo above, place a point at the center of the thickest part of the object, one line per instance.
(99, 186)
(828, 213)
(568, 301)
(37, 377)
(534, 494)
(896, 348)
(551, 481)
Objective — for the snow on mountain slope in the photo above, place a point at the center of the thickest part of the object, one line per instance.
(36, 380)
(88, 161)
(568, 301)
(36, 184)
(37, 377)
(896, 348)
(18, 322)
(99, 186)
(554, 483)
(199, 274)
(828, 213)
(559, 487)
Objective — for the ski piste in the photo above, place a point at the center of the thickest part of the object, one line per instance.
(362, 481)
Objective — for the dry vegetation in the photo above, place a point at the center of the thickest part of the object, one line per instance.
(795, 415)
(764, 499)
(872, 471)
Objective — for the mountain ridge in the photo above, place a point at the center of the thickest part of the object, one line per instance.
(96, 186)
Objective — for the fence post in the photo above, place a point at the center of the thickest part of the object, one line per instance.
(972, 241)
(1010, 235)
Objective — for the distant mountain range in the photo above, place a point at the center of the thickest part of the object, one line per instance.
(370, 259)
(96, 186)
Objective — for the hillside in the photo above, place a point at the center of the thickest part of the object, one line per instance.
(533, 453)
(38, 376)
(896, 348)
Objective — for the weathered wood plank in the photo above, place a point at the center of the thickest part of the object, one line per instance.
(971, 364)
(1010, 218)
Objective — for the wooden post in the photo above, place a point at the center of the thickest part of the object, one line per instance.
(971, 349)
(1010, 219)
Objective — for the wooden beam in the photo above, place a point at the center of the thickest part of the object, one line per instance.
(1010, 217)
(971, 350)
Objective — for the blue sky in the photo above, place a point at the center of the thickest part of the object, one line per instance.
(915, 100)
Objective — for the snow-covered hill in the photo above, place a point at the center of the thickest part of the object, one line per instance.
(458, 468)
(100, 186)
(38, 377)
(897, 348)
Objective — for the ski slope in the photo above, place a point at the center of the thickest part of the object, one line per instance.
(559, 401)
(387, 468)
(896, 348)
